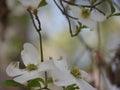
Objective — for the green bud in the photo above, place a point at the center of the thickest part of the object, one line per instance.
(85, 13)
(31, 67)
(76, 72)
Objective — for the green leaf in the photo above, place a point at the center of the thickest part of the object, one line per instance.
(42, 3)
(116, 14)
(93, 1)
(11, 83)
(79, 27)
(112, 7)
(72, 87)
(35, 82)
(49, 80)
(84, 26)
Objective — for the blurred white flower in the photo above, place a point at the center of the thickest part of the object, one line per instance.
(31, 4)
(30, 58)
(86, 16)
(62, 76)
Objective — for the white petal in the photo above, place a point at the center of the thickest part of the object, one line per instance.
(46, 65)
(31, 3)
(62, 78)
(97, 16)
(61, 64)
(55, 87)
(84, 74)
(92, 41)
(29, 54)
(83, 2)
(53, 64)
(88, 22)
(13, 69)
(105, 7)
(73, 24)
(27, 76)
(75, 11)
(83, 85)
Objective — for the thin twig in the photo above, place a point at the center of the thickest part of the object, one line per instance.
(99, 11)
(87, 6)
(70, 28)
(99, 3)
(38, 29)
(32, 19)
(41, 47)
(39, 24)
(69, 22)
(63, 11)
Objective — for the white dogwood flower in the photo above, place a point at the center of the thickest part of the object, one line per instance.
(62, 76)
(30, 58)
(86, 16)
(31, 4)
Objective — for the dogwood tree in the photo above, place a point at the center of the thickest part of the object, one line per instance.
(38, 73)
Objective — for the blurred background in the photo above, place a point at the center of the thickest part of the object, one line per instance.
(102, 64)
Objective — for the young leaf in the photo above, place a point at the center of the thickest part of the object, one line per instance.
(72, 87)
(79, 27)
(42, 3)
(112, 7)
(116, 14)
(11, 83)
(35, 82)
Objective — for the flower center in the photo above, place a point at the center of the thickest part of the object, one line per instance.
(76, 72)
(31, 67)
(85, 13)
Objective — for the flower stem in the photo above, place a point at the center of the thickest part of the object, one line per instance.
(68, 19)
(28, 88)
(64, 88)
(41, 47)
(38, 29)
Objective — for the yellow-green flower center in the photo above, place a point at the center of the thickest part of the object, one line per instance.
(31, 67)
(85, 13)
(76, 72)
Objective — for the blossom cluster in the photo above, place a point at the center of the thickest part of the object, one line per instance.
(86, 12)
(83, 14)
(57, 69)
